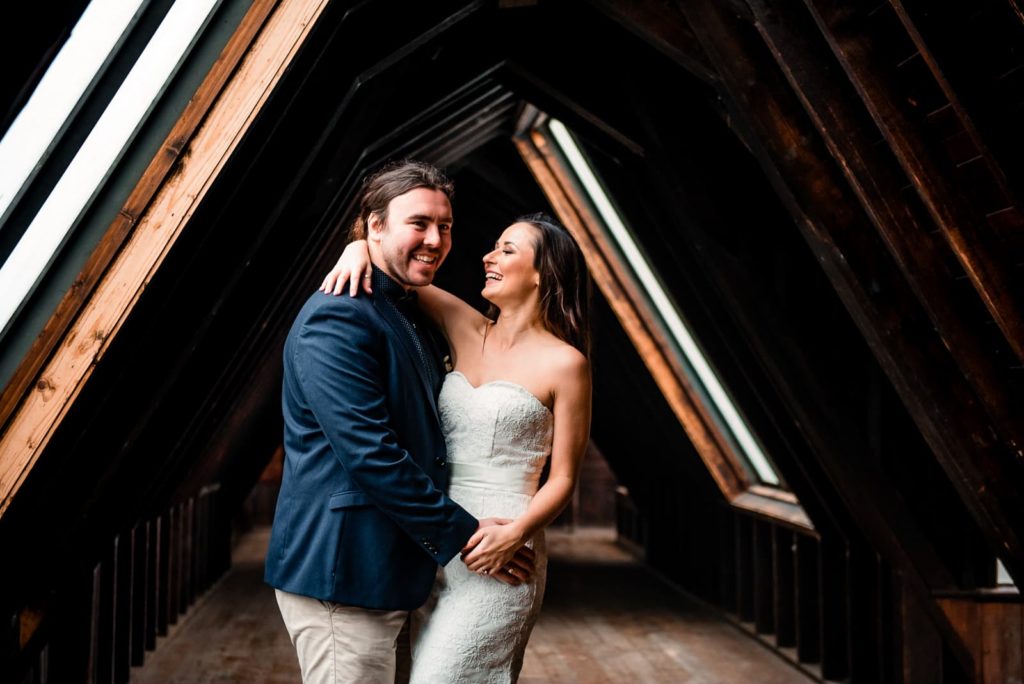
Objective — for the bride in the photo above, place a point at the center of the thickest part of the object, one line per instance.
(518, 399)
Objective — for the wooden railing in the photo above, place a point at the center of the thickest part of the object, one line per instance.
(150, 575)
(779, 582)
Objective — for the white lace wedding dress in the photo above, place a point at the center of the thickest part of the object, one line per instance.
(475, 628)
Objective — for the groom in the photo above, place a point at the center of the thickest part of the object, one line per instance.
(362, 520)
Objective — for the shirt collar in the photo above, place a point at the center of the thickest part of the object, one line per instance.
(392, 291)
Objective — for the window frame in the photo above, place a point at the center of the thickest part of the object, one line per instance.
(735, 477)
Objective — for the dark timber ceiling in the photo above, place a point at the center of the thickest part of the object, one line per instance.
(705, 121)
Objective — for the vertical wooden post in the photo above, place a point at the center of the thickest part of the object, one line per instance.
(173, 564)
(121, 610)
(187, 553)
(834, 600)
(95, 635)
(161, 577)
(784, 596)
(139, 591)
(744, 569)
(726, 539)
(764, 577)
(920, 645)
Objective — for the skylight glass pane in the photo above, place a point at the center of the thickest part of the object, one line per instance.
(1002, 576)
(96, 35)
(100, 152)
(665, 308)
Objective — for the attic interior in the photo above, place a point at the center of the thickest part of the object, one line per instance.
(808, 247)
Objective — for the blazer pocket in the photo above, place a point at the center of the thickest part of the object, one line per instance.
(347, 500)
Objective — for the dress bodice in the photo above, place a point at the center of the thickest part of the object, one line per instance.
(475, 628)
(498, 434)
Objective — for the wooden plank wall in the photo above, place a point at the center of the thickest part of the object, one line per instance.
(993, 630)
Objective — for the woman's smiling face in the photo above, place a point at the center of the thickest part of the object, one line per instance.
(509, 271)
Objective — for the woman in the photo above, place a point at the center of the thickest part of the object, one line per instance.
(518, 398)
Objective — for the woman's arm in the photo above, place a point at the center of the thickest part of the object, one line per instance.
(456, 318)
(353, 267)
(447, 311)
(494, 547)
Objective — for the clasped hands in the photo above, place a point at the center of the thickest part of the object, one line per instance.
(496, 549)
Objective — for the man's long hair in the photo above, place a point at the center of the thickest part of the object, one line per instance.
(390, 181)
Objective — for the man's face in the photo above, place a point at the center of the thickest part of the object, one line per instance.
(416, 239)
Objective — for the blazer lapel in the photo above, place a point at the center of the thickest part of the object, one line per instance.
(390, 314)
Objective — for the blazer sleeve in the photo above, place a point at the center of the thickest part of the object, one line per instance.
(337, 364)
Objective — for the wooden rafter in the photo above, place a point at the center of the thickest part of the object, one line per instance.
(873, 291)
(876, 180)
(269, 38)
(622, 295)
(998, 173)
(962, 225)
(916, 361)
(663, 27)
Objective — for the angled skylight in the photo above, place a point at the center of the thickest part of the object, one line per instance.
(107, 141)
(101, 29)
(666, 310)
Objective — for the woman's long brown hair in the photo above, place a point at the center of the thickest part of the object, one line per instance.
(564, 283)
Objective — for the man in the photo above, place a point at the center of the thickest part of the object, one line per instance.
(362, 520)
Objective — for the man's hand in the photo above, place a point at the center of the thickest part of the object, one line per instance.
(483, 523)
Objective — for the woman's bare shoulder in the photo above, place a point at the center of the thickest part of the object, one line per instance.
(563, 359)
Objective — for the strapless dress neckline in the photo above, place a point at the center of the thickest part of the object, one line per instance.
(505, 383)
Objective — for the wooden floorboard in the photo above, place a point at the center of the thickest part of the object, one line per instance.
(605, 619)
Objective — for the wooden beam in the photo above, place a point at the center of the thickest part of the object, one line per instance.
(876, 180)
(998, 173)
(623, 296)
(152, 232)
(662, 27)
(962, 225)
(874, 293)
(99, 261)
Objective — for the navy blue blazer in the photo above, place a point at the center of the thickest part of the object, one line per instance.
(362, 518)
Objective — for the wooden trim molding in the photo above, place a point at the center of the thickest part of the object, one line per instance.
(135, 245)
(775, 509)
(623, 296)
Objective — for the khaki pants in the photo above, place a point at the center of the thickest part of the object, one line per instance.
(337, 643)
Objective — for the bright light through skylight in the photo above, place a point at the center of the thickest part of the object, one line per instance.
(1002, 576)
(100, 151)
(22, 149)
(663, 303)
